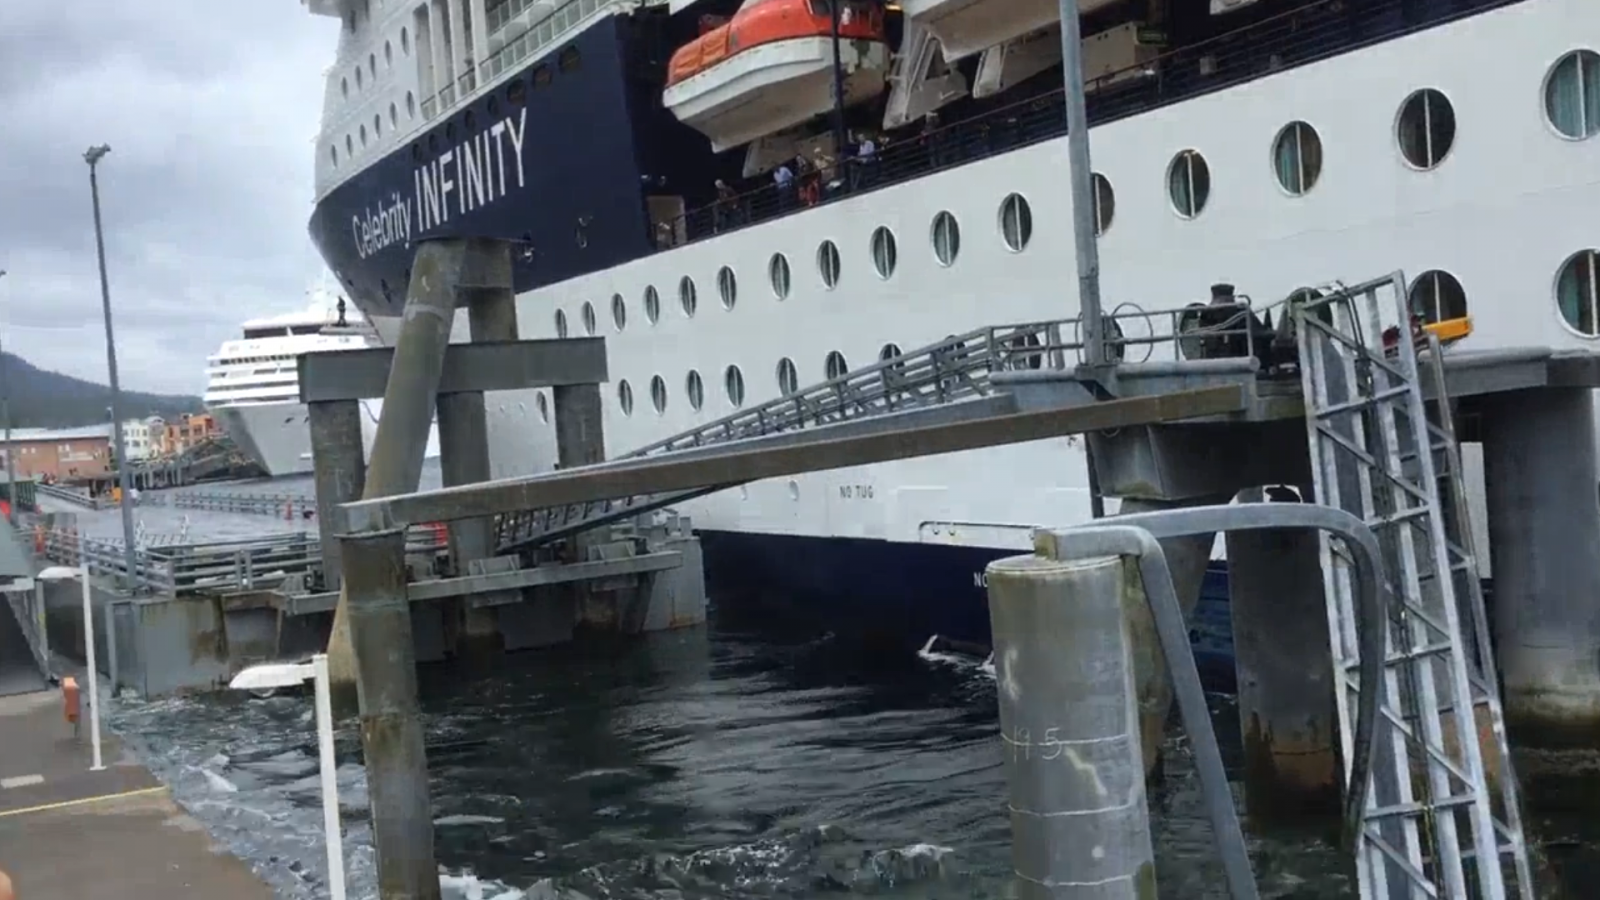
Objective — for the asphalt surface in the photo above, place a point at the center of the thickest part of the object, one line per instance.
(69, 833)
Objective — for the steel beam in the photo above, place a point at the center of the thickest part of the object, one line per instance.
(488, 366)
(665, 473)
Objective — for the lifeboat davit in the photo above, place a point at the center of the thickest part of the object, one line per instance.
(770, 67)
(965, 27)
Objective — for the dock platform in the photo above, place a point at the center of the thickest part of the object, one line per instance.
(67, 832)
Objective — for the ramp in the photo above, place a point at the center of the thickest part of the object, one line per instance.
(19, 666)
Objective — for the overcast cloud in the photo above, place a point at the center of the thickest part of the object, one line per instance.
(211, 110)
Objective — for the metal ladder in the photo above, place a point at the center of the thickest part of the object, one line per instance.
(1434, 825)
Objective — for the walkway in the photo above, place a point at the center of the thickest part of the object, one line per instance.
(67, 833)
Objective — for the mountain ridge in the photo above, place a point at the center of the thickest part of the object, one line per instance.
(41, 398)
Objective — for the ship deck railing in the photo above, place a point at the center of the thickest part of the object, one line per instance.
(1275, 42)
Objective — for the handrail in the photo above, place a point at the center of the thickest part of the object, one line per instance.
(1279, 42)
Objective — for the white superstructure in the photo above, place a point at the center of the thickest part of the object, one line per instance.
(253, 385)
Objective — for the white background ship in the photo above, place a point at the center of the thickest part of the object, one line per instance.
(253, 385)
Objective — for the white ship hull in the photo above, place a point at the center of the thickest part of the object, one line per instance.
(277, 436)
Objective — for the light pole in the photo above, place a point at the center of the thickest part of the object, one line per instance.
(91, 156)
(5, 413)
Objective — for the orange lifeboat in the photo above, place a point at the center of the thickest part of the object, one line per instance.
(770, 67)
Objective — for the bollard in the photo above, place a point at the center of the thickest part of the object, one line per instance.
(391, 724)
(1069, 721)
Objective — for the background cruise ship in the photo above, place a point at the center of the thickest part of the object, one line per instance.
(1278, 145)
(253, 385)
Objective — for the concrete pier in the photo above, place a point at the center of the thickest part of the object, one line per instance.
(339, 471)
(1544, 536)
(1069, 721)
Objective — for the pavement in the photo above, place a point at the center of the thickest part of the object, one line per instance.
(68, 833)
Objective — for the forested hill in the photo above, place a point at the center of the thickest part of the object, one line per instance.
(43, 399)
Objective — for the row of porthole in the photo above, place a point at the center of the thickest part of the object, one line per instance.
(377, 118)
(1435, 295)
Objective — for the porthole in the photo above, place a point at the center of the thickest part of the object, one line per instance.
(394, 116)
(733, 382)
(696, 389)
(1297, 157)
(619, 312)
(344, 87)
(1016, 222)
(946, 238)
(1189, 183)
(363, 133)
(561, 323)
(788, 377)
(828, 264)
(568, 59)
(372, 64)
(1437, 296)
(377, 126)
(686, 295)
(1576, 294)
(658, 393)
(405, 41)
(835, 365)
(884, 252)
(388, 53)
(333, 154)
(411, 106)
(652, 304)
(517, 92)
(349, 146)
(727, 287)
(543, 405)
(358, 76)
(625, 397)
(588, 318)
(1572, 96)
(778, 275)
(1105, 203)
(1426, 128)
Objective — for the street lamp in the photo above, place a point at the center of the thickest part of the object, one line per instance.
(276, 675)
(130, 552)
(67, 573)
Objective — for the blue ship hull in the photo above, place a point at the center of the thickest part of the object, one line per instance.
(903, 593)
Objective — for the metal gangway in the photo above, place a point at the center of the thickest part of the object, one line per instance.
(1436, 823)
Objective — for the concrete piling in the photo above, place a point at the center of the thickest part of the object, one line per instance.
(1285, 677)
(464, 457)
(441, 273)
(1188, 557)
(1544, 537)
(391, 725)
(1069, 721)
(339, 470)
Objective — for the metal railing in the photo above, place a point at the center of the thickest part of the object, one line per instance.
(954, 369)
(516, 46)
(286, 506)
(174, 569)
(1308, 33)
(74, 496)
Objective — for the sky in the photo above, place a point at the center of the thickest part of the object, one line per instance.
(211, 110)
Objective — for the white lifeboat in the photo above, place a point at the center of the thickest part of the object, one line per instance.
(965, 27)
(770, 67)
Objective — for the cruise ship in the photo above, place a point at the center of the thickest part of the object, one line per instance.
(253, 387)
(746, 196)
